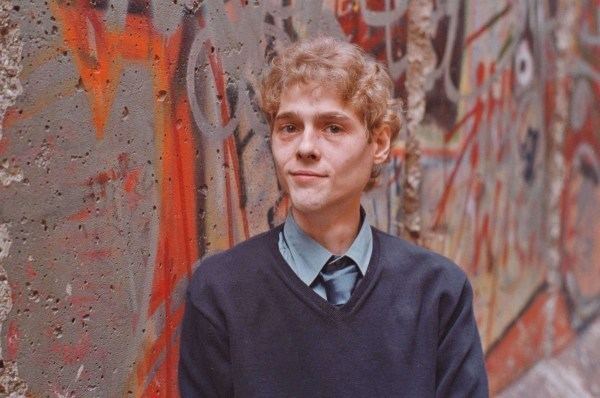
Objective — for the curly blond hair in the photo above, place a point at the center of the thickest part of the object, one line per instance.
(362, 83)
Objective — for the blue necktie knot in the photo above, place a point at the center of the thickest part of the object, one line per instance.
(339, 276)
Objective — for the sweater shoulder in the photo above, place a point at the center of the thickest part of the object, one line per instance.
(402, 257)
(231, 267)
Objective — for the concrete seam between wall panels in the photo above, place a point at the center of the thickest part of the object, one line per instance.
(556, 165)
(10, 88)
(421, 62)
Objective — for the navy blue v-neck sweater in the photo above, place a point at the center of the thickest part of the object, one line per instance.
(252, 328)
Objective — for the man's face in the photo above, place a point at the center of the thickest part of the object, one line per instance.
(321, 149)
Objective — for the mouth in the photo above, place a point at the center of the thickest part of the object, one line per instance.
(306, 173)
(303, 177)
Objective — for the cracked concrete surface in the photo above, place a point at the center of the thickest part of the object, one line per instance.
(10, 383)
(556, 161)
(10, 88)
(10, 59)
(421, 63)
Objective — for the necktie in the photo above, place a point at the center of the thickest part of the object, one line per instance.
(339, 277)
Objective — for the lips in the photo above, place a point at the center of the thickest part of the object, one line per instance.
(306, 173)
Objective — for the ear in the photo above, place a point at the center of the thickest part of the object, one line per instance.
(381, 140)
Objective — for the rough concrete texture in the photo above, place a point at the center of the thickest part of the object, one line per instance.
(10, 59)
(565, 34)
(421, 63)
(10, 383)
(136, 147)
(10, 88)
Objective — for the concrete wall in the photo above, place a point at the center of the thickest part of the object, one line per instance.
(136, 147)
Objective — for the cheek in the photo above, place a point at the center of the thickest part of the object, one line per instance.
(281, 156)
(276, 152)
(356, 171)
(280, 160)
(357, 164)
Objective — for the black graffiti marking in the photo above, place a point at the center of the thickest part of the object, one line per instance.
(99, 4)
(528, 150)
(139, 7)
(589, 171)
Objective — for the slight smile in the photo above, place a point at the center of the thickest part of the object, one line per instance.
(306, 173)
(306, 176)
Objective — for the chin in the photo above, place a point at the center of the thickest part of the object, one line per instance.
(306, 205)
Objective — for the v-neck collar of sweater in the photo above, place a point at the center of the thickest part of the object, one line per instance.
(311, 297)
(308, 257)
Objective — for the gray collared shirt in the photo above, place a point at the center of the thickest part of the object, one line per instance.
(307, 257)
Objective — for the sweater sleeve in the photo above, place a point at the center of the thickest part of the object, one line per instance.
(460, 364)
(204, 362)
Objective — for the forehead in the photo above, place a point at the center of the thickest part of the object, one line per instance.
(313, 97)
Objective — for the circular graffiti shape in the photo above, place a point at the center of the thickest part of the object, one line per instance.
(524, 64)
(203, 91)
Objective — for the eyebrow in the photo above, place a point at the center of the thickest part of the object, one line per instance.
(332, 115)
(287, 115)
(319, 116)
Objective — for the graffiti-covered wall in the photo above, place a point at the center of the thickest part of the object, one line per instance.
(132, 145)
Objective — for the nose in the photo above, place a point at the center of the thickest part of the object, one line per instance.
(308, 144)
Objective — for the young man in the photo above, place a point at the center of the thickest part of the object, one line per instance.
(325, 305)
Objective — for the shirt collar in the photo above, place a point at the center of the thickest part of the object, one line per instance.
(310, 257)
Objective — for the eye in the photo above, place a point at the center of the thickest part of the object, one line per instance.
(287, 128)
(334, 128)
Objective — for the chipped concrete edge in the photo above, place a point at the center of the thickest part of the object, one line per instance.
(11, 47)
(564, 39)
(11, 385)
(421, 63)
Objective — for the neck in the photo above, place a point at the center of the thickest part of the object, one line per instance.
(334, 229)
